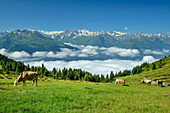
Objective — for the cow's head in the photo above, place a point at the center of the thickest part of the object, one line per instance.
(142, 81)
(36, 73)
(15, 83)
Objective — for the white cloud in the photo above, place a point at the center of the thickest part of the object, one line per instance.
(39, 54)
(82, 55)
(3, 51)
(166, 51)
(95, 66)
(88, 52)
(155, 52)
(148, 59)
(18, 54)
(15, 55)
(111, 63)
(119, 51)
(85, 52)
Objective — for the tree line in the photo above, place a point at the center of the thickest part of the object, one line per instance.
(9, 65)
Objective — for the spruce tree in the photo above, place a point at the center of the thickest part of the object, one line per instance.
(153, 66)
(54, 71)
(107, 78)
(111, 76)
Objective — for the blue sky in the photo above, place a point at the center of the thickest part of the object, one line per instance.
(148, 16)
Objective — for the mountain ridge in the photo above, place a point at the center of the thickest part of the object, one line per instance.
(85, 32)
(141, 41)
(118, 39)
(30, 41)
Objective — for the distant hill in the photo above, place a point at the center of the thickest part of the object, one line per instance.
(30, 41)
(139, 40)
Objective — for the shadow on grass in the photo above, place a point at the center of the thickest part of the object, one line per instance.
(125, 85)
(163, 86)
(1, 88)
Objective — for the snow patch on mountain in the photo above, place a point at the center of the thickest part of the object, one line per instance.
(85, 33)
(77, 33)
(52, 34)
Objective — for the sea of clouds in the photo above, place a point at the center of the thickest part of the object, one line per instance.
(94, 66)
(97, 60)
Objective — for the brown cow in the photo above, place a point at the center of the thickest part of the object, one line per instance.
(27, 75)
(121, 81)
(159, 82)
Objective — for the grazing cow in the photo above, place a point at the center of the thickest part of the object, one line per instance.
(121, 81)
(147, 81)
(159, 82)
(27, 75)
(166, 84)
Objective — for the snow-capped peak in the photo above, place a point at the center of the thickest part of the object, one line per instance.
(77, 33)
(31, 30)
(52, 34)
(116, 33)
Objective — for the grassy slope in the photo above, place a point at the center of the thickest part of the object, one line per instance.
(74, 96)
(157, 74)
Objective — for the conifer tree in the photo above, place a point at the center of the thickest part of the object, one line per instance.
(111, 76)
(107, 78)
(102, 79)
(54, 71)
(153, 66)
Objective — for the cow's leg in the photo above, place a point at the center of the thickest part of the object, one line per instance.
(24, 83)
(32, 82)
(36, 82)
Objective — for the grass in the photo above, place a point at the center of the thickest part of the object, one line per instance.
(75, 96)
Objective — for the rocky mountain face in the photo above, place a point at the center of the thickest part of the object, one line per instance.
(108, 39)
(3, 33)
(30, 41)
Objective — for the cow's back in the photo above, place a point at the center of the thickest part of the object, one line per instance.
(120, 80)
(29, 75)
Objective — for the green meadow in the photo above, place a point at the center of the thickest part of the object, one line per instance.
(55, 96)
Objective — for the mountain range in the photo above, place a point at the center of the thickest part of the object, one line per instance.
(109, 39)
(32, 40)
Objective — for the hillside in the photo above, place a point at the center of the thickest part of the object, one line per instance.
(30, 41)
(71, 95)
(155, 71)
(159, 70)
(82, 97)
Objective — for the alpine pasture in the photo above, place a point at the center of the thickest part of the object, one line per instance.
(52, 95)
